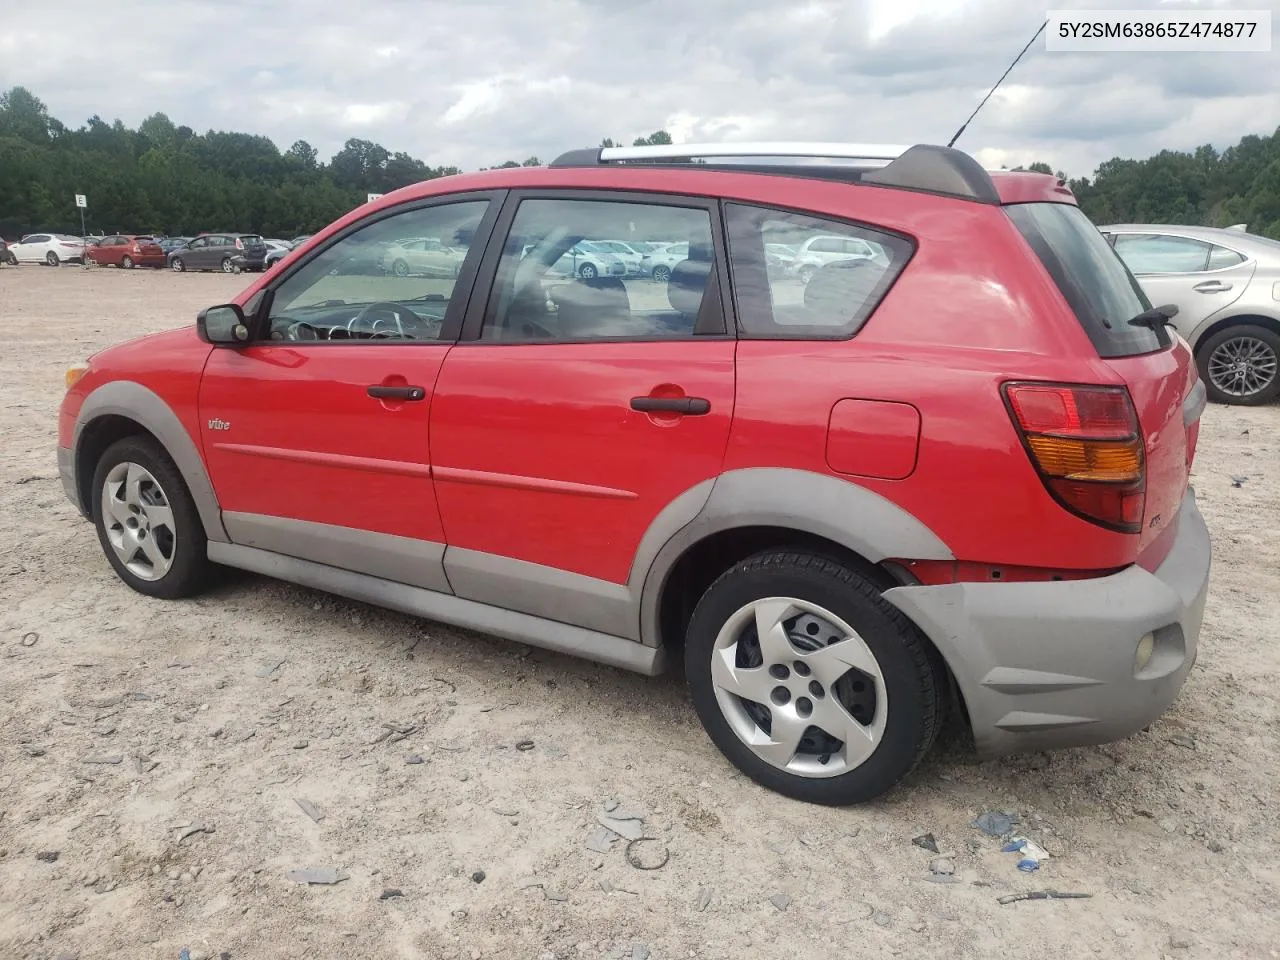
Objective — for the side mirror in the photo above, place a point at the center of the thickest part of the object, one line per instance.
(223, 324)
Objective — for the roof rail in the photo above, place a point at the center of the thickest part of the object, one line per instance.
(923, 168)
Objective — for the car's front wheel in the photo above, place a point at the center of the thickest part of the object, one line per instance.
(662, 273)
(147, 522)
(176, 265)
(808, 681)
(1241, 365)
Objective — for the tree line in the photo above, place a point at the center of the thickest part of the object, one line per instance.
(166, 178)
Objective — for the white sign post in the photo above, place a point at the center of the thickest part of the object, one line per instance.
(82, 202)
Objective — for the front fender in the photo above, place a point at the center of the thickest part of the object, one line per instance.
(125, 398)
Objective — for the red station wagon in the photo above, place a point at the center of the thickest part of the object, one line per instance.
(943, 480)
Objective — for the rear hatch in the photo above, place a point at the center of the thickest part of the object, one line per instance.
(252, 245)
(1155, 364)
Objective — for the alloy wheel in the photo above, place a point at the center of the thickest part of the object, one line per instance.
(1243, 366)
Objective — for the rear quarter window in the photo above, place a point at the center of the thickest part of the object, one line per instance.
(1093, 279)
(807, 296)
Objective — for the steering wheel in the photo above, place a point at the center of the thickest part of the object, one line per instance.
(301, 330)
(363, 316)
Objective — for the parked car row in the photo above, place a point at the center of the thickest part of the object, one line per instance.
(207, 251)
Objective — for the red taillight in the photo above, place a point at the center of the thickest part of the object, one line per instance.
(1086, 444)
(239, 244)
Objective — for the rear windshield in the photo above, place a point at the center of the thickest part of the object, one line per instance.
(250, 238)
(1091, 276)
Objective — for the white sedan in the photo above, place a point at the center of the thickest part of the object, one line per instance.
(50, 248)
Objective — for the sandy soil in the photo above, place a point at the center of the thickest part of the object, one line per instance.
(228, 710)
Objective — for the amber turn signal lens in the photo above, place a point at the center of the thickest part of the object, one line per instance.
(74, 374)
(1102, 461)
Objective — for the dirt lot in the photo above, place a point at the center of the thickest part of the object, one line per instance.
(127, 720)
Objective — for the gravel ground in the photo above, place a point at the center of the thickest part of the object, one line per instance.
(454, 782)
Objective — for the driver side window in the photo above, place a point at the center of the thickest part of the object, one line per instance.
(379, 283)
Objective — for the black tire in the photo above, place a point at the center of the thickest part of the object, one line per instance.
(190, 570)
(400, 268)
(1269, 339)
(587, 271)
(51, 259)
(226, 266)
(127, 263)
(177, 265)
(912, 672)
(662, 273)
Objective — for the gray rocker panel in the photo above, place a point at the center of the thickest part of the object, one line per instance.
(560, 637)
(128, 399)
(400, 559)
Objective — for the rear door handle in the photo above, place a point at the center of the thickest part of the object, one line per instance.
(692, 406)
(1212, 286)
(380, 391)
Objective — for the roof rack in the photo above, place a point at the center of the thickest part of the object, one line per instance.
(924, 168)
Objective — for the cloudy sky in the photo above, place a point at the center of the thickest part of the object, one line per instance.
(476, 82)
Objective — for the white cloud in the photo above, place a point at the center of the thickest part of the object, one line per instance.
(478, 82)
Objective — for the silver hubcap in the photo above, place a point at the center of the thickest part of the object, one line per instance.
(138, 521)
(226, 266)
(799, 687)
(1242, 366)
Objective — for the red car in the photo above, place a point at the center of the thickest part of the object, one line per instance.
(943, 480)
(126, 251)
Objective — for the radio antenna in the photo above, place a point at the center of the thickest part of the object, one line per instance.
(952, 141)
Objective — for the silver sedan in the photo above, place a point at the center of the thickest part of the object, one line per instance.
(1226, 286)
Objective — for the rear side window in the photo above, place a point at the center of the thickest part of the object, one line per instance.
(1092, 277)
(799, 277)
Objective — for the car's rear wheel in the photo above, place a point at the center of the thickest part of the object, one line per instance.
(662, 273)
(177, 265)
(51, 259)
(227, 265)
(808, 681)
(1241, 365)
(400, 268)
(147, 522)
(127, 263)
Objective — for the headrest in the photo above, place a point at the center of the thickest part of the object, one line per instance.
(842, 288)
(687, 284)
(583, 305)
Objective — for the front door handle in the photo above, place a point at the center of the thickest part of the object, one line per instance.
(692, 406)
(1212, 286)
(380, 391)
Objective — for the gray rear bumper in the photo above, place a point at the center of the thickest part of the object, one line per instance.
(1047, 665)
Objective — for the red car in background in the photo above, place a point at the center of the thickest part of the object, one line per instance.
(127, 252)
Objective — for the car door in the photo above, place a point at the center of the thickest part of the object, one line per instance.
(574, 411)
(1198, 277)
(195, 253)
(112, 250)
(32, 249)
(316, 432)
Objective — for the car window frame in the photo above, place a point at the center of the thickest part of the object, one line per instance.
(722, 309)
(1115, 235)
(465, 282)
